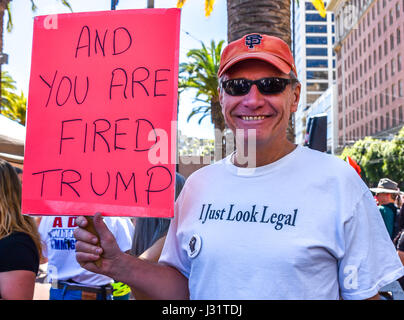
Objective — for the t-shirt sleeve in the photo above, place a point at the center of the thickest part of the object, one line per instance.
(173, 254)
(370, 260)
(18, 252)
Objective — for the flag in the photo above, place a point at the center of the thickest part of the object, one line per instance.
(354, 165)
(319, 5)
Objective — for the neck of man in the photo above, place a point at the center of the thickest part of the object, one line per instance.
(261, 154)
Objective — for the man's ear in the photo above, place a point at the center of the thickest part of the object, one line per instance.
(296, 97)
(220, 96)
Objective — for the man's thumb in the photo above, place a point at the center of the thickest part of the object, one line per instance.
(100, 226)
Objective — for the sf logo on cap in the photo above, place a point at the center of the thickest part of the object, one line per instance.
(252, 40)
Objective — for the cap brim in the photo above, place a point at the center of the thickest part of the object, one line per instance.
(274, 60)
(381, 190)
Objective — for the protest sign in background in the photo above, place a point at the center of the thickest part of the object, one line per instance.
(102, 109)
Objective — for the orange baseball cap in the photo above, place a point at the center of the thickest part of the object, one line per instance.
(258, 46)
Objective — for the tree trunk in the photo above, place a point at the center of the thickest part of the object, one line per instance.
(219, 126)
(270, 17)
(3, 7)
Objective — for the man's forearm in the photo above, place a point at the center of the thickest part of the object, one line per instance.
(155, 280)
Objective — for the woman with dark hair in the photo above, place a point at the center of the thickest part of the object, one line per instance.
(20, 242)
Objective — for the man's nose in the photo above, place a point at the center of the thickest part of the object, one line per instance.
(254, 98)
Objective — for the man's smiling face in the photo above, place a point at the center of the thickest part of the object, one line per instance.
(269, 114)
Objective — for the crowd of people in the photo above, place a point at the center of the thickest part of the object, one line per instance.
(236, 233)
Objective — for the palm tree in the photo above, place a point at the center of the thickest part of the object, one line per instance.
(14, 105)
(200, 73)
(5, 6)
(262, 16)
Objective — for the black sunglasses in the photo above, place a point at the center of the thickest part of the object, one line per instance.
(240, 87)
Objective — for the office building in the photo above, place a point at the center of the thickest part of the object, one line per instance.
(314, 57)
(370, 75)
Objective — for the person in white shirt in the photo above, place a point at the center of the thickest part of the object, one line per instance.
(285, 222)
(69, 280)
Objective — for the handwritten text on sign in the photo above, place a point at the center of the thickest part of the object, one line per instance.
(102, 86)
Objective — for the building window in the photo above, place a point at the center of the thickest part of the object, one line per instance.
(316, 28)
(398, 36)
(397, 10)
(393, 67)
(314, 17)
(316, 52)
(380, 76)
(375, 102)
(376, 125)
(309, 6)
(381, 123)
(316, 86)
(386, 47)
(386, 72)
(370, 105)
(316, 63)
(391, 42)
(316, 40)
(387, 96)
(391, 18)
(399, 62)
(384, 24)
(387, 120)
(400, 114)
(400, 88)
(380, 52)
(393, 118)
(393, 92)
(381, 100)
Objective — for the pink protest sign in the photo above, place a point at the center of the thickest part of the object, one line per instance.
(102, 109)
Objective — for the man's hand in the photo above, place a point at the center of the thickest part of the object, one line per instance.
(154, 280)
(87, 250)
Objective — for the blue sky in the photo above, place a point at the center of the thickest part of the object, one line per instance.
(18, 43)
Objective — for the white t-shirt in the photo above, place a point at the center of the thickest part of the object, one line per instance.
(303, 227)
(57, 233)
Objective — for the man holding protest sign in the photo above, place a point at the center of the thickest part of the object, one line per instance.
(237, 233)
